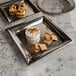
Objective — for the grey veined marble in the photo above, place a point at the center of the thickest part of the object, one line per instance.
(59, 63)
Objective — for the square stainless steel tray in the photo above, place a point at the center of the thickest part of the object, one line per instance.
(17, 34)
(4, 10)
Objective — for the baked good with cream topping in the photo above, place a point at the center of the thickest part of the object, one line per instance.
(32, 35)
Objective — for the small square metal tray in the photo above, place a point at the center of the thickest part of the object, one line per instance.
(4, 10)
(17, 33)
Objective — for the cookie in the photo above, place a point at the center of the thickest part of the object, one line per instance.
(43, 47)
(47, 36)
(49, 32)
(54, 37)
(48, 42)
(35, 50)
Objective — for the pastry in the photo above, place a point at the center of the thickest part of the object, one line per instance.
(32, 35)
(12, 9)
(43, 47)
(22, 6)
(39, 47)
(49, 32)
(20, 13)
(47, 36)
(48, 42)
(54, 37)
(36, 48)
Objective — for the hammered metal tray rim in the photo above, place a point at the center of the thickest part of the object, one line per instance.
(37, 7)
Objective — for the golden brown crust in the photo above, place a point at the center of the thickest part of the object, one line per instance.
(22, 6)
(48, 42)
(12, 9)
(39, 47)
(20, 16)
(54, 37)
(20, 13)
(36, 48)
(43, 47)
(49, 32)
(47, 36)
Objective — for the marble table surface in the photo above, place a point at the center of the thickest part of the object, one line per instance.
(61, 62)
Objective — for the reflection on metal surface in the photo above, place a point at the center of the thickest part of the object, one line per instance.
(17, 32)
(4, 10)
(53, 6)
